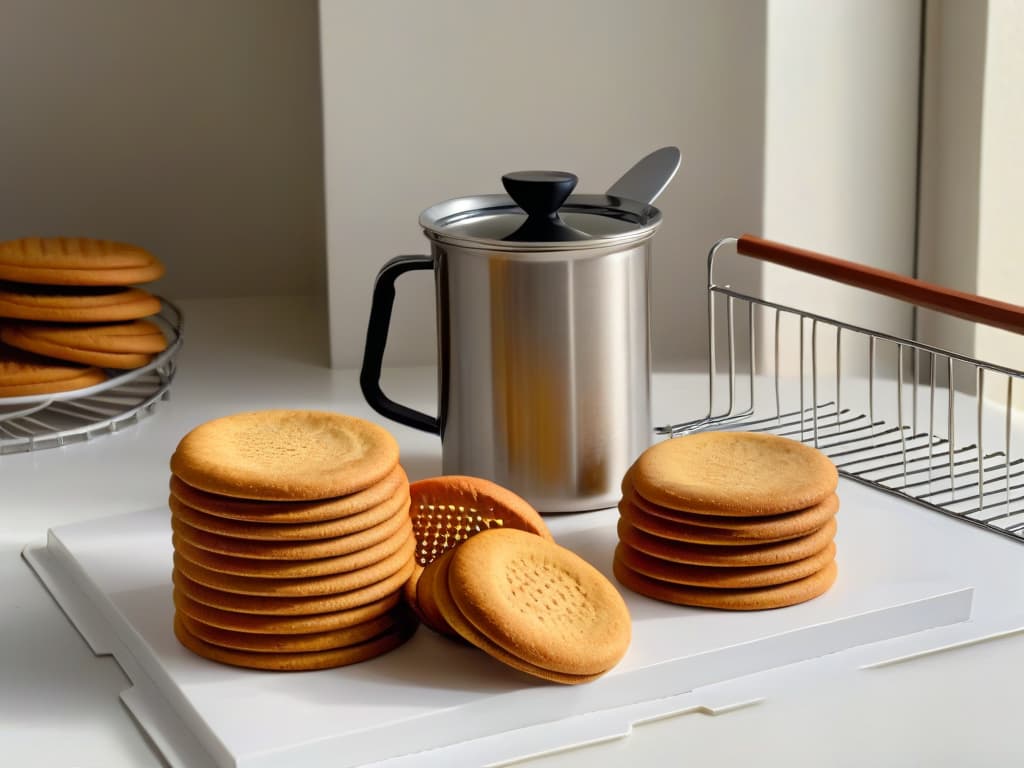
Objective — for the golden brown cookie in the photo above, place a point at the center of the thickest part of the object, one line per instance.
(723, 578)
(465, 629)
(315, 549)
(283, 532)
(313, 641)
(41, 346)
(733, 557)
(76, 261)
(23, 374)
(282, 625)
(779, 596)
(297, 662)
(295, 569)
(293, 512)
(787, 525)
(702, 534)
(285, 455)
(75, 305)
(136, 336)
(734, 473)
(292, 606)
(539, 601)
(312, 586)
(425, 601)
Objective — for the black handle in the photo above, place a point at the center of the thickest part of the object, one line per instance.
(377, 339)
(540, 194)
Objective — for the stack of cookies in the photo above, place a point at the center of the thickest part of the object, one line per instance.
(533, 605)
(292, 540)
(69, 309)
(731, 520)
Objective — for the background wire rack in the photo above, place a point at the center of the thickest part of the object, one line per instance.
(37, 422)
(923, 423)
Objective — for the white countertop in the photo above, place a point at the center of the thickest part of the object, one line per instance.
(59, 702)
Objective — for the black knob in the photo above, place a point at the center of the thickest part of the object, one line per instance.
(540, 194)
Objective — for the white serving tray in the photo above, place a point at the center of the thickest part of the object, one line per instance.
(426, 701)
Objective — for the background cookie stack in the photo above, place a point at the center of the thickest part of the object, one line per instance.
(731, 520)
(292, 540)
(69, 309)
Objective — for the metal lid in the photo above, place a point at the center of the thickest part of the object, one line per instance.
(492, 221)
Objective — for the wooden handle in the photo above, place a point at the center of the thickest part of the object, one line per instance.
(999, 314)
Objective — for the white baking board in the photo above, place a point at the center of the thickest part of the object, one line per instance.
(112, 577)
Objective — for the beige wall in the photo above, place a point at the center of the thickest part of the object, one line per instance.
(191, 127)
(424, 101)
(1000, 263)
(840, 158)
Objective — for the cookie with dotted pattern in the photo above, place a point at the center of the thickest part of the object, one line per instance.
(538, 601)
(465, 629)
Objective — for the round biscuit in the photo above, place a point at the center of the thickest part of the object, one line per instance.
(310, 605)
(314, 549)
(702, 534)
(780, 596)
(310, 586)
(282, 625)
(41, 346)
(81, 305)
(292, 512)
(463, 628)
(723, 578)
(285, 455)
(734, 473)
(732, 557)
(426, 600)
(297, 662)
(785, 525)
(72, 253)
(23, 374)
(135, 336)
(539, 601)
(282, 532)
(313, 641)
(294, 569)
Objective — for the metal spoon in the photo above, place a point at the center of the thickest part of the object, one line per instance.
(649, 177)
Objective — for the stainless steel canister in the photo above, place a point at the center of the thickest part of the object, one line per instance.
(543, 330)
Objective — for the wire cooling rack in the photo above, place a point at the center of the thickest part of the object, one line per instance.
(36, 422)
(923, 423)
